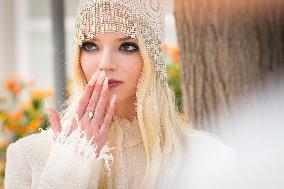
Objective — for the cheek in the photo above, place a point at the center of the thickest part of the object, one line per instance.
(88, 64)
(133, 67)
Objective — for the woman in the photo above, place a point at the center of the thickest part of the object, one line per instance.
(122, 113)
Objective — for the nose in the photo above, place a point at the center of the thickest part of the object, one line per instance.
(106, 61)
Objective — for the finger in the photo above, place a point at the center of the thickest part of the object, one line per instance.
(54, 119)
(84, 101)
(98, 150)
(74, 126)
(100, 108)
(102, 134)
(100, 145)
(108, 117)
(96, 94)
(93, 101)
(86, 119)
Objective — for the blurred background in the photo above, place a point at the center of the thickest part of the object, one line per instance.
(225, 63)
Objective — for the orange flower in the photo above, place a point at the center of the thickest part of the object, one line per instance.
(39, 95)
(4, 142)
(18, 116)
(173, 50)
(14, 85)
(22, 130)
(176, 54)
(35, 124)
(10, 127)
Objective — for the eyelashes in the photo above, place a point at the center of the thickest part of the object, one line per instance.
(130, 47)
(127, 47)
(89, 46)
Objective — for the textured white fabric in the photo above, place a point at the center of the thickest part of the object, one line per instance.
(34, 163)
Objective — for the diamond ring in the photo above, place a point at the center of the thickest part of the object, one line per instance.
(90, 114)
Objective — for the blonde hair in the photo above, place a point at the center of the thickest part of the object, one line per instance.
(161, 126)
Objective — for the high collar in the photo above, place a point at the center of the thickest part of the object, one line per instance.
(124, 132)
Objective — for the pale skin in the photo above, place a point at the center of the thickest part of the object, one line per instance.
(107, 57)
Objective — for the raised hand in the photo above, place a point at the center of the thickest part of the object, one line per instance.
(92, 114)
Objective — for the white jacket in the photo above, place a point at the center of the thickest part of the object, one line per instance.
(36, 162)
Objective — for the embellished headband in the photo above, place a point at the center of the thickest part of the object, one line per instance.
(130, 17)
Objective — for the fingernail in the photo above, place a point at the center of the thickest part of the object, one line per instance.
(101, 78)
(105, 84)
(112, 101)
(94, 79)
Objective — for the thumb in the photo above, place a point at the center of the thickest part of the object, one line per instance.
(54, 119)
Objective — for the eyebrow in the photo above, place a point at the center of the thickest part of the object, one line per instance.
(118, 40)
(124, 39)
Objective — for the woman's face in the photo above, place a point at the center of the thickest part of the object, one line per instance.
(119, 56)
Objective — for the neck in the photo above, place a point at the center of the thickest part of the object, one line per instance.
(125, 109)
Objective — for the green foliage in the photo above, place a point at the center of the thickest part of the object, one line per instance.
(175, 84)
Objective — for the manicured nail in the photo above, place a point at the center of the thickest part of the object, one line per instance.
(101, 78)
(94, 79)
(105, 85)
(112, 101)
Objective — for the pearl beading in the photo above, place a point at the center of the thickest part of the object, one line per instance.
(131, 18)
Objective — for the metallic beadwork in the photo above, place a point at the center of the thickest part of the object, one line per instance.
(147, 17)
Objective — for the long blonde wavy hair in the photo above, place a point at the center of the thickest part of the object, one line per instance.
(162, 128)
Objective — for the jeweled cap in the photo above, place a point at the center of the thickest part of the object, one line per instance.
(131, 18)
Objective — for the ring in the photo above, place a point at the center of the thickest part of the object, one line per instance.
(90, 114)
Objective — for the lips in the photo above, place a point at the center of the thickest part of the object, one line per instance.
(113, 83)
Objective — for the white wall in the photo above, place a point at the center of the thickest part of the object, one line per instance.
(7, 56)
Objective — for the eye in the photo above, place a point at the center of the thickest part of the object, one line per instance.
(129, 47)
(89, 46)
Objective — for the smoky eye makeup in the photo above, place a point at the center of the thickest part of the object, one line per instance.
(129, 47)
(89, 46)
(125, 47)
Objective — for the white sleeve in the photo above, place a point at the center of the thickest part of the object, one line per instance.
(71, 164)
(66, 169)
(17, 172)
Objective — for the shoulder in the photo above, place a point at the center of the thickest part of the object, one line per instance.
(205, 143)
(208, 161)
(206, 151)
(34, 140)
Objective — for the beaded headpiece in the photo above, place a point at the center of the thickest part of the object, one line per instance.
(132, 18)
